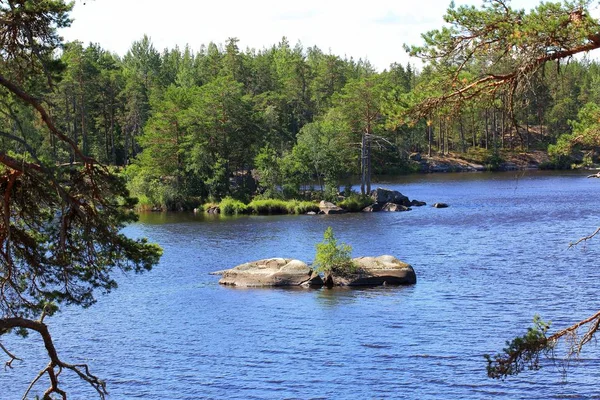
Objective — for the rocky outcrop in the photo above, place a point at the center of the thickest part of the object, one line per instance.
(391, 200)
(440, 205)
(375, 271)
(271, 272)
(392, 207)
(383, 196)
(330, 208)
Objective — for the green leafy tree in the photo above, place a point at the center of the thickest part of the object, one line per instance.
(222, 133)
(158, 175)
(269, 171)
(60, 223)
(324, 146)
(141, 67)
(585, 135)
(333, 258)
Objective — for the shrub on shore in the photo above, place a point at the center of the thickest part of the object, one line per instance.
(229, 206)
(356, 202)
(275, 206)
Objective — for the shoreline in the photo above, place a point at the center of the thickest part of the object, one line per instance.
(480, 162)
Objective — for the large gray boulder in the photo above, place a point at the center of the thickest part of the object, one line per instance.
(271, 272)
(383, 196)
(375, 271)
(330, 208)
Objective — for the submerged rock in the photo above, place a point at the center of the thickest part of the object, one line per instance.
(271, 272)
(440, 205)
(375, 271)
(394, 207)
(372, 208)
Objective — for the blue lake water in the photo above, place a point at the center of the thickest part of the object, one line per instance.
(485, 265)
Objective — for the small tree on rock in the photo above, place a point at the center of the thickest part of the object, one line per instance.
(333, 258)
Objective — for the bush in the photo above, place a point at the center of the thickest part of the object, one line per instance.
(493, 162)
(302, 207)
(276, 207)
(332, 257)
(231, 206)
(268, 206)
(356, 202)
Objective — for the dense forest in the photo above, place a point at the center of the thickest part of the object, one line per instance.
(186, 127)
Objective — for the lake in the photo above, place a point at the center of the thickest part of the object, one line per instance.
(485, 266)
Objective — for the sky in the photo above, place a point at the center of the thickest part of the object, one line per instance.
(375, 29)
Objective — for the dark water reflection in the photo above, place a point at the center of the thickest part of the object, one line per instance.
(485, 266)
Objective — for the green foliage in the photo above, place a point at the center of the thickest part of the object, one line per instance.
(151, 190)
(522, 352)
(302, 207)
(493, 161)
(355, 202)
(489, 158)
(231, 206)
(269, 171)
(276, 206)
(332, 257)
(586, 133)
(269, 207)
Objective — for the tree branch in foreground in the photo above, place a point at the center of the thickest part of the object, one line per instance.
(56, 365)
(524, 352)
(497, 48)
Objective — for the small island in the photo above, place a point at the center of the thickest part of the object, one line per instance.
(380, 199)
(333, 267)
(278, 272)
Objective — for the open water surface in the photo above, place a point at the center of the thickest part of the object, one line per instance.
(485, 265)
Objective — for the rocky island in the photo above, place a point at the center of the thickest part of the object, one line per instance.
(277, 272)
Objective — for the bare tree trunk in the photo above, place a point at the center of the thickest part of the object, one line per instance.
(503, 129)
(368, 178)
(462, 135)
(447, 138)
(362, 164)
(429, 140)
(494, 129)
(75, 133)
(487, 132)
(473, 130)
(440, 138)
(113, 150)
(527, 134)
